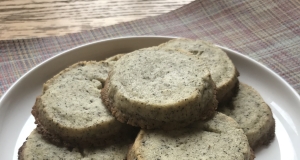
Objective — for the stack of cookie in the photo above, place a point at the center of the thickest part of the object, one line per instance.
(162, 102)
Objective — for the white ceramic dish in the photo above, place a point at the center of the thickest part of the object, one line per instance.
(16, 122)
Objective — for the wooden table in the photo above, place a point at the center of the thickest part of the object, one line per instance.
(40, 18)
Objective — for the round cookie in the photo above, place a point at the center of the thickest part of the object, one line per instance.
(219, 138)
(252, 114)
(70, 110)
(223, 71)
(159, 88)
(36, 147)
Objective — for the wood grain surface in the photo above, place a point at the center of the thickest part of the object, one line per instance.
(40, 18)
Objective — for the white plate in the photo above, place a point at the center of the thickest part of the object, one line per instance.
(16, 122)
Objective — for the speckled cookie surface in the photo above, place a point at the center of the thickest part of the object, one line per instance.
(70, 108)
(223, 71)
(159, 88)
(220, 138)
(252, 114)
(36, 147)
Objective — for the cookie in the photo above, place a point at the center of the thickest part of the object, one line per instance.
(36, 147)
(223, 71)
(159, 88)
(253, 115)
(70, 110)
(219, 138)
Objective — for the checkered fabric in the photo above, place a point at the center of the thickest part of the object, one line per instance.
(267, 31)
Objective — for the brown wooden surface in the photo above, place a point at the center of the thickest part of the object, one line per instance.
(40, 18)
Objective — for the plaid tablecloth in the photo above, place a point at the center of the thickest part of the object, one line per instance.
(267, 31)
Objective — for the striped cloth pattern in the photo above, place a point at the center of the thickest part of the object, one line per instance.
(267, 31)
